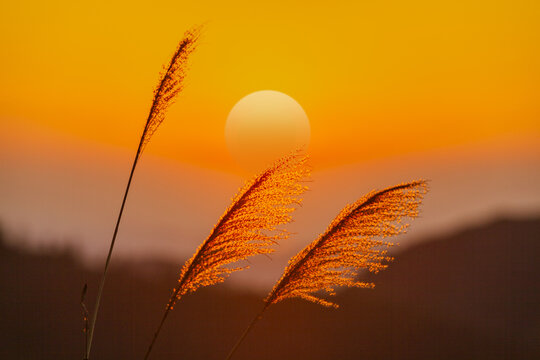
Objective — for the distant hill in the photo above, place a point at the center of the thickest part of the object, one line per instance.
(471, 295)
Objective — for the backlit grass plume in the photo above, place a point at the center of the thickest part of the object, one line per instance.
(170, 84)
(250, 226)
(353, 241)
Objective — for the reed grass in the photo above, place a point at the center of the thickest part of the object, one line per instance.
(250, 226)
(169, 86)
(354, 240)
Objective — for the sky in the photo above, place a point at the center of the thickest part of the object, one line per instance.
(393, 91)
(376, 79)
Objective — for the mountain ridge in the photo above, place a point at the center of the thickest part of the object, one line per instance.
(470, 294)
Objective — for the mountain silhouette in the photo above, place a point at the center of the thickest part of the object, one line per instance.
(472, 294)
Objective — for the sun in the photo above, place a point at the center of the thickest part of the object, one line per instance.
(264, 126)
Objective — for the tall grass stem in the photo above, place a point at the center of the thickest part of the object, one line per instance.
(170, 85)
(169, 307)
(244, 334)
(106, 268)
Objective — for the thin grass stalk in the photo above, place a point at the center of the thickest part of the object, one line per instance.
(248, 329)
(170, 306)
(168, 309)
(170, 84)
(107, 262)
(156, 334)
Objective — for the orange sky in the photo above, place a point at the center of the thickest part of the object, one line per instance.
(376, 79)
(394, 91)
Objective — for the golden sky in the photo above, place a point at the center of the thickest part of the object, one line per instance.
(376, 78)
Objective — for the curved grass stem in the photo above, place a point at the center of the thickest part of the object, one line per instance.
(106, 268)
(169, 307)
(244, 334)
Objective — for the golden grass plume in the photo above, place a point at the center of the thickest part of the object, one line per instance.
(353, 241)
(249, 226)
(170, 83)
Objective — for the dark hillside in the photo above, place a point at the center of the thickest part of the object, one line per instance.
(474, 294)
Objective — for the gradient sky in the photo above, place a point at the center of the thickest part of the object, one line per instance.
(394, 91)
(376, 79)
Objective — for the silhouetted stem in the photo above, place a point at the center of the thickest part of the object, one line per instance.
(169, 307)
(244, 334)
(102, 283)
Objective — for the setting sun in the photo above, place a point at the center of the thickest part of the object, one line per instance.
(263, 126)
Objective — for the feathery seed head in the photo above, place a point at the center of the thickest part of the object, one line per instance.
(353, 241)
(171, 82)
(250, 226)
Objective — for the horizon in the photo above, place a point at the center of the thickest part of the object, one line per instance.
(54, 203)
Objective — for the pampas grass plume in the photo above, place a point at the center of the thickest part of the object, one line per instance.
(354, 240)
(249, 226)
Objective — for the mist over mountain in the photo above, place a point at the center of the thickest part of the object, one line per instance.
(470, 294)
